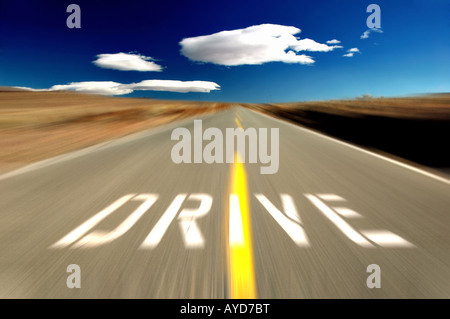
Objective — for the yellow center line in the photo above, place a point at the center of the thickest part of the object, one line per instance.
(238, 116)
(240, 251)
(238, 123)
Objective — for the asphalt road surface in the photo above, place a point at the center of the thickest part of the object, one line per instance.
(140, 226)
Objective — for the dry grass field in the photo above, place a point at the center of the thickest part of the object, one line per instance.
(39, 125)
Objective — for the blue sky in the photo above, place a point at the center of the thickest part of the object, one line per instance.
(410, 56)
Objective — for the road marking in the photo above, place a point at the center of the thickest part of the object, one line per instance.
(163, 223)
(238, 123)
(289, 208)
(193, 238)
(97, 238)
(242, 277)
(330, 197)
(386, 239)
(347, 212)
(382, 238)
(239, 235)
(90, 223)
(339, 222)
(293, 229)
(412, 168)
(238, 116)
(236, 230)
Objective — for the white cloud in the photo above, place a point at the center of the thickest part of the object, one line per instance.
(334, 41)
(114, 88)
(94, 87)
(351, 52)
(253, 45)
(174, 86)
(311, 45)
(127, 62)
(366, 33)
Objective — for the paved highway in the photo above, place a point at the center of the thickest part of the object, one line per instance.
(140, 226)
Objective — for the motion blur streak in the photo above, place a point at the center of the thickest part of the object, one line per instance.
(40, 206)
(241, 255)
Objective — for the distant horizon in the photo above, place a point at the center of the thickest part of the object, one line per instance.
(412, 95)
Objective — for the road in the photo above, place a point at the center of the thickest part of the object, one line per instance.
(140, 226)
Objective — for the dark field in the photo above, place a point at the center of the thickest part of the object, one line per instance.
(416, 129)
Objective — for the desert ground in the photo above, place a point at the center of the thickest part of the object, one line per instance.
(38, 125)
